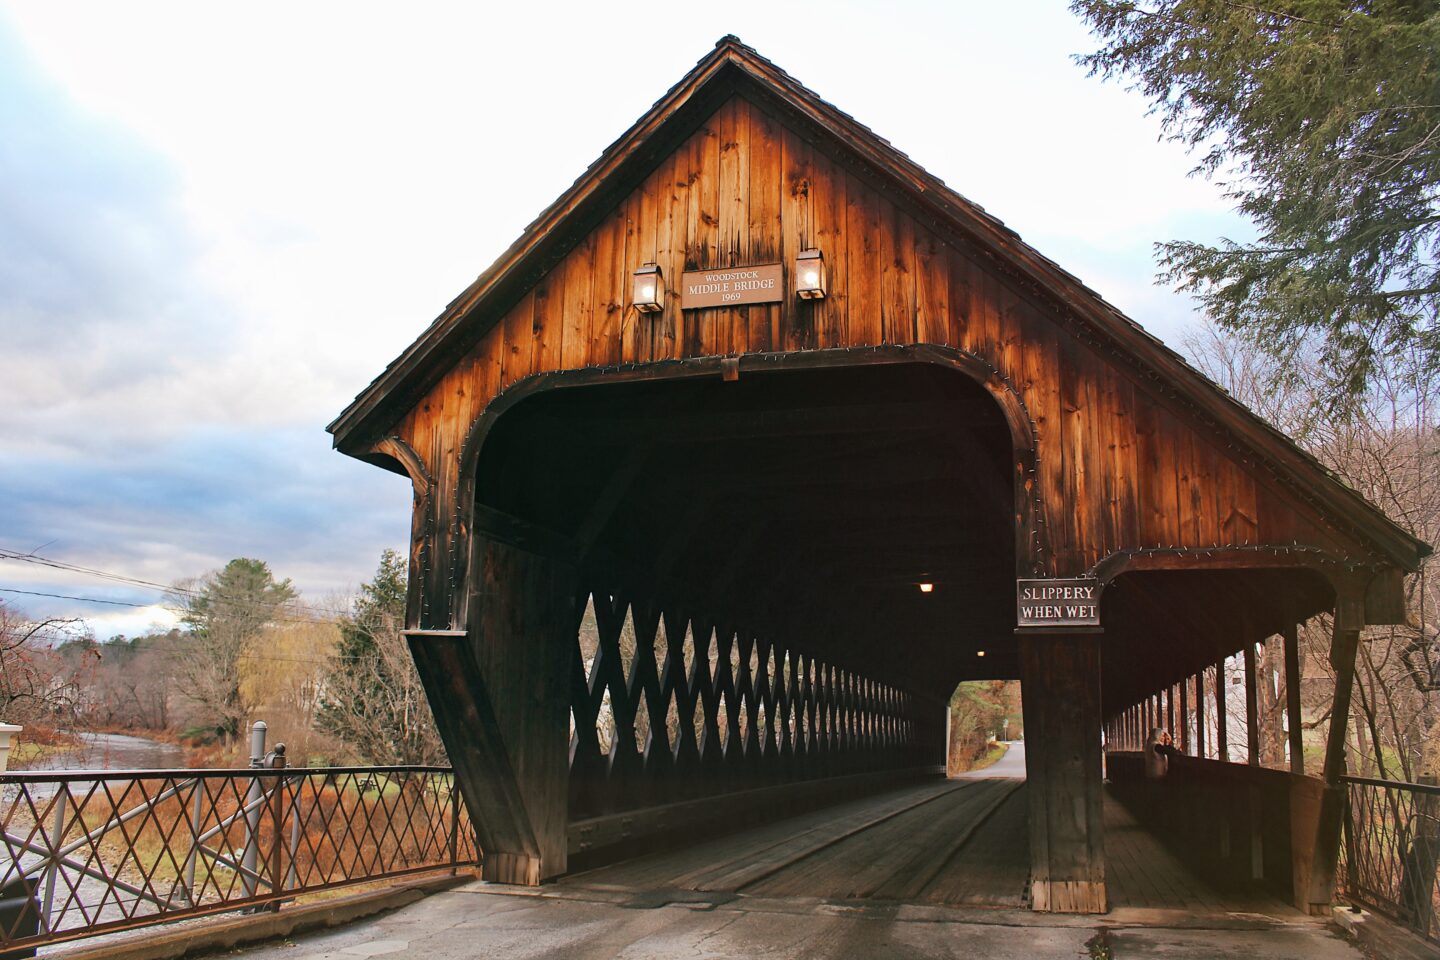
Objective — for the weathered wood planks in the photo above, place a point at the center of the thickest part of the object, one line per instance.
(1122, 463)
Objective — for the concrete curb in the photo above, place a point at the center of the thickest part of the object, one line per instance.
(1380, 938)
(244, 931)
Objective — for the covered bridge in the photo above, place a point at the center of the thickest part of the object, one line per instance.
(760, 439)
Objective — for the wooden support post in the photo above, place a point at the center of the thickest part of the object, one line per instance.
(1060, 690)
(1222, 721)
(1292, 700)
(1184, 717)
(499, 692)
(1200, 713)
(1349, 620)
(1252, 708)
(1252, 758)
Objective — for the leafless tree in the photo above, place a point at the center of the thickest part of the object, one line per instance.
(132, 684)
(1388, 449)
(372, 698)
(36, 682)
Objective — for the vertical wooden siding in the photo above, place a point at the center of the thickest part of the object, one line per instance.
(1120, 463)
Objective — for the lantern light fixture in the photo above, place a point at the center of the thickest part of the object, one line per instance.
(979, 653)
(649, 293)
(927, 588)
(810, 275)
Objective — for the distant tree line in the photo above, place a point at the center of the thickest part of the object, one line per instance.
(334, 682)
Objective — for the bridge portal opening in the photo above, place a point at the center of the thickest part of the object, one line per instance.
(984, 721)
(776, 582)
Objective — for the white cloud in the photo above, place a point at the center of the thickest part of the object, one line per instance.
(247, 210)
(132, 623)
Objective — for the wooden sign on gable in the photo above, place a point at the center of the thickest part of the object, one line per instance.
(732, 287)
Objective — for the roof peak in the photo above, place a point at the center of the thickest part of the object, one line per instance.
(635, 152)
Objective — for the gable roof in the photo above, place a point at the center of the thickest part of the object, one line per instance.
(731, 68)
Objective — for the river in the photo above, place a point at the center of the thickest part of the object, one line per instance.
(112, 751)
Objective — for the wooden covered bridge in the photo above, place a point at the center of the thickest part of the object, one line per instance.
(760, 439)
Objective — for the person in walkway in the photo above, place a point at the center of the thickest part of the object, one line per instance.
(1159, 748)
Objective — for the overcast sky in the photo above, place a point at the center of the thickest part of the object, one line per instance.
(219, 221)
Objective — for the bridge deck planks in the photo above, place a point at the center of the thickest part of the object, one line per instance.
(1140, 872)
(993, 867)
(957, 843)
(730, 862)
(879, 862)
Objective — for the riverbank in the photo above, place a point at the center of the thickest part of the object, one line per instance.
(37, 743)
(994, 753)
(46, 749)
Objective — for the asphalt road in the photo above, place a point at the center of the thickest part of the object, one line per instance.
(1012, 765)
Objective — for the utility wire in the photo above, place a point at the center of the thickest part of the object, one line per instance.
(62, 596)
(169, 590)
(243, 656)
(175, 589)
(275, 617)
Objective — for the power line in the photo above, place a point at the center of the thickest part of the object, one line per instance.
(243, 656)
(172, 589)
(169, 590)
(62, 596)
(123, 603)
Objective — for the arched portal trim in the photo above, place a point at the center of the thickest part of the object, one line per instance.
(395, 454)
(1032, 554)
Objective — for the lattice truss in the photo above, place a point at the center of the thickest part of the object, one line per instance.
(665, 705)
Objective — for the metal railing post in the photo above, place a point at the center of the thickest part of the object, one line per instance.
(297, 810)
(454, 823)
(276, 761)
(57, 840)
(193, 855)
(1352, 865)
(1417, 876)
(249, 861)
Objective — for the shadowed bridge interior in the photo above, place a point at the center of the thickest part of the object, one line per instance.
(810, 505)
(748, 554)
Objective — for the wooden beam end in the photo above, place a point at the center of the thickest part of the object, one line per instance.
(517, 869)
(1069, 896)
